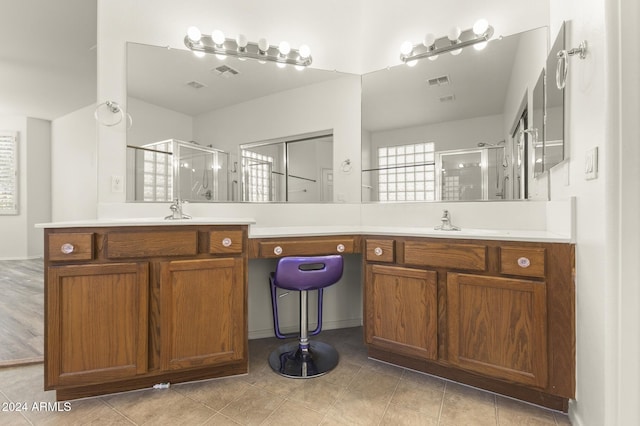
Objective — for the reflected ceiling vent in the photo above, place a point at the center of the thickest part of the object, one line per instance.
(225, 71)
(439, 81)
(196, 84)
(448, 98)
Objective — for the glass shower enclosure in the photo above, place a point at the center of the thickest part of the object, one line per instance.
(471, 174)
(171, 169)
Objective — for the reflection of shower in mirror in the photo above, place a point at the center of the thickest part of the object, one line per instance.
(171, 169)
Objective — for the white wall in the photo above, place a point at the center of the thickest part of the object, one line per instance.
(447, 136)
(154, 124)
(19, 237)
(38, 191)
(602, 112)
(332, 105)
(73, 166)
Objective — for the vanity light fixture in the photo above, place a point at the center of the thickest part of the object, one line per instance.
(240, 47)
(453, 42)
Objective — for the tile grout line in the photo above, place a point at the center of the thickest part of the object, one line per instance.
(21, 412)
(395, 389)
(105, 402)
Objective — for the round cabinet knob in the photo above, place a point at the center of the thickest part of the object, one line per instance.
(524, 262)
(227, 242)
(340, 248)
(277, 250)
(67, 248)
(378, 251)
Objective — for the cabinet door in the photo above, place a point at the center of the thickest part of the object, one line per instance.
(497, 326)
(402, 310)
(202, 313)
(97, 323)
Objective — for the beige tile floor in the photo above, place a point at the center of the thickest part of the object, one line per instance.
(359, 391)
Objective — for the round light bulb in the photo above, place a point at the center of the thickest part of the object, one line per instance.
(241, 41)
(305, 51)
(284, 48)
(429, 40)
(412, 63)
(480, 46)
(454, 33)
(218, 37)
(406, 48)
(263, 45)
(480, 27)
(194, 34)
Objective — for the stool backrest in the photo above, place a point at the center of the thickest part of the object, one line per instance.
(308, 272)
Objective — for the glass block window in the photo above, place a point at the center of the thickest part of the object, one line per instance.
(8, 173)
(157, 174)
(256, 179)
(407, 172)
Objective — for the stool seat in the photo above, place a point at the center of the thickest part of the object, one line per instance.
(304, 358)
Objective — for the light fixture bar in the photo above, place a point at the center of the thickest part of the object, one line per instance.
(444, 44)
(259, 51)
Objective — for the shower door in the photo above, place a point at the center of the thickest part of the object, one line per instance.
(462, 175)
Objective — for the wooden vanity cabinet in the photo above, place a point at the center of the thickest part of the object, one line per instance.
(130, 307)
(498, 315)
(401, 310)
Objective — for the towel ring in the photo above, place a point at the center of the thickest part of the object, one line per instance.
(562, 67)
(114, 108)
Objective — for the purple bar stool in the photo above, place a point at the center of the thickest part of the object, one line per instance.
(304, 358)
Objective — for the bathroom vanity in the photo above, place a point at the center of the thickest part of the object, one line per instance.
(498, 315)
(128, 307)
(132, 306)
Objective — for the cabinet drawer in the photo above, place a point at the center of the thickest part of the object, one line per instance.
(305, 247)
(446, 255)
(71, 246)
(222, 242)
(529, 262)
(151, 243)
(380, 251)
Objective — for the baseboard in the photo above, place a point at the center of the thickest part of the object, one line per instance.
(22, 258)
(327, 325)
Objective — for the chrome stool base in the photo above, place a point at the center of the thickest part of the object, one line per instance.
(291, 360)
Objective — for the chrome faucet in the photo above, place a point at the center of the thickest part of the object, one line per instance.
(176, 211)
(446, 223)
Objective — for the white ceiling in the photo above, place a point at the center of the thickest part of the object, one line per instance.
(47, 57)
(159, 76)
(400, 96)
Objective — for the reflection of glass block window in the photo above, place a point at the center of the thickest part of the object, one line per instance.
(256, 179)
(157, 168)
(8, 173)
(451, 188)
(407, 172)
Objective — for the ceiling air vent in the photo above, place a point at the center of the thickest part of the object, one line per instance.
(439, 81)
(225, 71)
(447, 98)
(196, 84)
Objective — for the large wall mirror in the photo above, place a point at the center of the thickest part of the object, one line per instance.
(554, 140)
(454, 128)
(195, 121)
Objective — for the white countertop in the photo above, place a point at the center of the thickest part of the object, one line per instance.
(96, 223)
(256, 231)
(480, 234)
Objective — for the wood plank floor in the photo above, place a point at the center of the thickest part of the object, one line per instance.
(21, 311)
